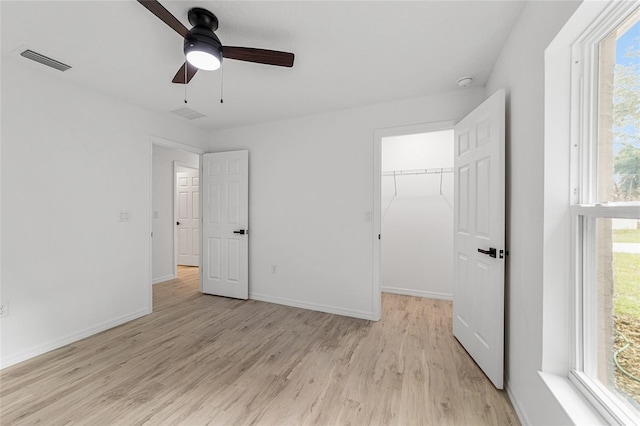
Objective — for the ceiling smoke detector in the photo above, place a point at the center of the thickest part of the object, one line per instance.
(465, 82)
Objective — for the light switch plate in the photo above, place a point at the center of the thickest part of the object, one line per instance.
(4, 309)
(125, 216)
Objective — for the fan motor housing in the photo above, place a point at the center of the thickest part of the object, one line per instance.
(203, 38)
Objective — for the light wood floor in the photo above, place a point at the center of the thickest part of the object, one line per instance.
(200, 360)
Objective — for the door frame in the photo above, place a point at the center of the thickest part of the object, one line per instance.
(165, 143)
(177, 164)
(378, 135)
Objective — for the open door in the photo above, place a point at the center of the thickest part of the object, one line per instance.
(224, 179)
(479, 250)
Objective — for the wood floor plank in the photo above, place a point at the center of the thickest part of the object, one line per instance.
(200, 360)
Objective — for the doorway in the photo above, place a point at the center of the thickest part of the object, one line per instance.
(166, 156)
(413, 211)
(417, 214)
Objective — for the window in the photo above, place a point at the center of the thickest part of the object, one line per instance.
(606, 213)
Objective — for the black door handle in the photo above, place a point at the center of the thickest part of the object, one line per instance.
(177, 223)
(241, 232)
(491, 252)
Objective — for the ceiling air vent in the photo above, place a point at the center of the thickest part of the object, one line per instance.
(187, 113)
(44, 60)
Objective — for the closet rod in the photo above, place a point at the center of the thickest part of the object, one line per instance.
(418, 171)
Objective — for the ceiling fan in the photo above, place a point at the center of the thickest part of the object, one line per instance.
(202, 48)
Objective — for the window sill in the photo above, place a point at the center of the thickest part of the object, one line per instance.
(579, 410)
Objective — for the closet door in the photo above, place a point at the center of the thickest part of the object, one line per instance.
(478, 295)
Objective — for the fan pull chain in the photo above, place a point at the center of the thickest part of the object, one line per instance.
(221, 84)
(185, 82)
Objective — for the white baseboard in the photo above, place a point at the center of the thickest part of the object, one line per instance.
(417, 293)
(522, 415)
(312, 306)
(70, 338)
(163, 279)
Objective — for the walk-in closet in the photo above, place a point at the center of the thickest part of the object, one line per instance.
(417, 214)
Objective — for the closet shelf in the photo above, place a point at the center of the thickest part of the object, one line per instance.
(434, 171)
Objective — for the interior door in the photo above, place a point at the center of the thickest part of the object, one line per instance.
(187, 215)
(478, 298)
(225, 217)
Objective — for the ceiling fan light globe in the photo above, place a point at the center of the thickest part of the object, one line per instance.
(203, 60)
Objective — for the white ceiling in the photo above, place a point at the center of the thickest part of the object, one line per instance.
(348, 53)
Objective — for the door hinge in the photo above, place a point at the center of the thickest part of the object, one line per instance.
(378, 236)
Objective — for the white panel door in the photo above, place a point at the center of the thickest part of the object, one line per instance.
(225, 219)
(187, 216)
(478, 298)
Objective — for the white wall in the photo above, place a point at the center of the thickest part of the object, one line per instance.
(417, 223)
(163, 193)
(310, 186)
(71, 161)
(418, 151)
(520, 70)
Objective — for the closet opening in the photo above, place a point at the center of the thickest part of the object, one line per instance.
(416, 209)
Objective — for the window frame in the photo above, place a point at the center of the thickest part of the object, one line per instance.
(585, 210)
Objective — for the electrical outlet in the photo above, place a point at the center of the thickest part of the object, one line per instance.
(274, 269)
(4, 310)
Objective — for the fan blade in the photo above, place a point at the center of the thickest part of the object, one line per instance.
(261, 56)
(165, 16)
(179, 77)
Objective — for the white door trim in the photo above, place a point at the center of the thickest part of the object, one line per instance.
(378, 135)
(167, 143)
(160, 141)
